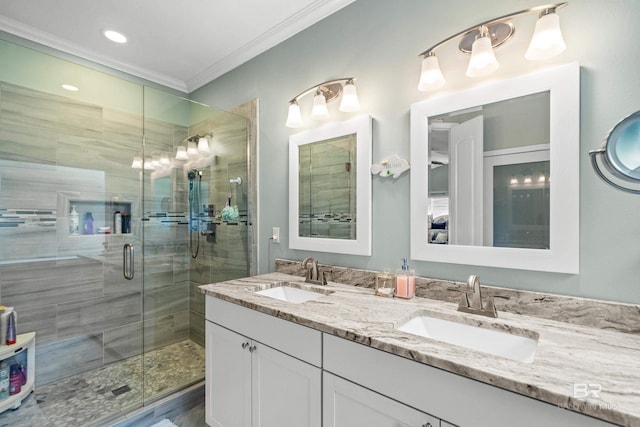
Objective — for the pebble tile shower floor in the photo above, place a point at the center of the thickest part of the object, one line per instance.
(83, 400)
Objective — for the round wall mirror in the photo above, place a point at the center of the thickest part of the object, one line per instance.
(620, 153)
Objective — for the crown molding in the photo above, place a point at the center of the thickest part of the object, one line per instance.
(306, 17)
(33, 34)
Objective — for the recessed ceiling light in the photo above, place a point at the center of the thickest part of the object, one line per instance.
(72, 88)
(115, 36)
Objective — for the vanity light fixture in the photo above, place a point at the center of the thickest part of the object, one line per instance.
(324, 93)
(480, 40)
(70, 88)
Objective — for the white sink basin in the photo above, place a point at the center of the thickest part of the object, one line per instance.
(292, 294)
(491, 341)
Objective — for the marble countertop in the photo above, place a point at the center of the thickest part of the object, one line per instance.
(566, 354)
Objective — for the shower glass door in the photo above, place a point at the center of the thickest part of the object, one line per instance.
(105, 237)
(67, 178)
(195, 229)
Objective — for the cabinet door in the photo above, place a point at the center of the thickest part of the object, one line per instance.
(286, 391)
(228, 378)
(346, 404)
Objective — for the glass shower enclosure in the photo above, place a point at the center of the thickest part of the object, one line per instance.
(116, 201)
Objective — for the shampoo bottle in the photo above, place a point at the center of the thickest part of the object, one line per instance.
(4, 381)
(117, 222)
(74, 221)
(4, 320)
(15, 382)
(11, 329)
(88, 223)
(405, 281)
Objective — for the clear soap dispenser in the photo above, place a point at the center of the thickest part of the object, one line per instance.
(405, 281)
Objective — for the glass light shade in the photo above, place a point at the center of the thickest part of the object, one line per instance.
(148, 164)
(164, 159)
(203, 146)
(294, 118)
(483, 61)
(547, 38)
(192, 149)
(319, 110)
(431, 77)
(541, 178)
(181, 153)
(137, 162)
(156, 161)
(350, 102)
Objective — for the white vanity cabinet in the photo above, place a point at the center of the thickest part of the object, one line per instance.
(261, 371)
(346, 404)
(459, 400)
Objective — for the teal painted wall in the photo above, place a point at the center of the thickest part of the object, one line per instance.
(378, 41)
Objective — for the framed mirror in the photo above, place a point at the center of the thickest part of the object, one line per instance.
(330, 188)
(495, 174)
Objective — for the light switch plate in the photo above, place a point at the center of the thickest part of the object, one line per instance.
(275, 234)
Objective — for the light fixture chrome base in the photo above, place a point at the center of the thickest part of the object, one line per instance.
(330, 91)
(499, 33)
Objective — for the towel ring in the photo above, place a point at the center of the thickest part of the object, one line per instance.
(620, 153)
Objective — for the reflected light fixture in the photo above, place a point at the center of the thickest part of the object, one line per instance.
(192, 149)
(137, 162)
(164, 159)
(480, 40)
(203, 145)
(181, 153)
(325, 93)
(70, 88)
(148, 164)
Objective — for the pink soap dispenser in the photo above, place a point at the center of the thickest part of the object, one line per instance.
(405, 281)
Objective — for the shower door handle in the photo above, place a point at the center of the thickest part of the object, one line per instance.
(127, 261)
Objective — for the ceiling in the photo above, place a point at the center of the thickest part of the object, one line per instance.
(182, 44)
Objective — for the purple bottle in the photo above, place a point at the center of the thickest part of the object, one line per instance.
(15, 380)
(88, 223)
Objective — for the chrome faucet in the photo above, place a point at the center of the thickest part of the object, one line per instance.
(476, 306)
(314, 275)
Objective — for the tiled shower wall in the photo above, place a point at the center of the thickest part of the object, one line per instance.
(70, 289)
(229, 256)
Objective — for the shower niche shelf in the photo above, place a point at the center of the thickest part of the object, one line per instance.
(22, 352)
(102, 211)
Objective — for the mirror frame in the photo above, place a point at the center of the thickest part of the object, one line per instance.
(362, 127)
(563, 82)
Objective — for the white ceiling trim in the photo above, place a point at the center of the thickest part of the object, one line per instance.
(306, 17)
(33, 34)
(293, 24)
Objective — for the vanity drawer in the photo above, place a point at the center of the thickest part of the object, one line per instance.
(295, 340)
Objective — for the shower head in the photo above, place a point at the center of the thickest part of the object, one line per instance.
(192, 174)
